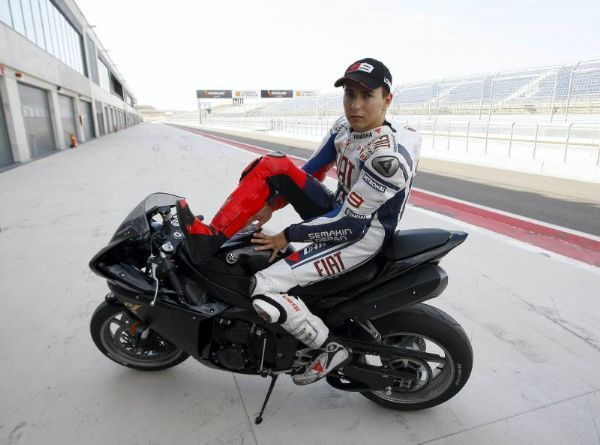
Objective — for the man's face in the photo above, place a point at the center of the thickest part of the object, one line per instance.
(365, 108)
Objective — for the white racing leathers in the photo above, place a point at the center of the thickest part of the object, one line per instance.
(375, 174)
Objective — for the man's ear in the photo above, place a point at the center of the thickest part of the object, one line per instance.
(387, 100)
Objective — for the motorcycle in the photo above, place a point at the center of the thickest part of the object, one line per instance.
(163, 308)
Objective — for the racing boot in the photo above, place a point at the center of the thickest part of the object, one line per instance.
(294, 316)
(333, 356)
(202, 240)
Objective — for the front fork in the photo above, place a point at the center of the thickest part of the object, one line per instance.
(139, 329)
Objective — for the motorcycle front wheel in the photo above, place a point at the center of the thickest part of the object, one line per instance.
(426, 329)
(116, 334)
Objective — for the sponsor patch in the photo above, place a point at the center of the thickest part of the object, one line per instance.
(380, 143)
(365, 153)
(355, 199)
(330, 265)
(366, 67)
(293, 258)
(376, 185)
(358, 136)
(291, 302)
(352, 214)
(330, 235)
(387, 166)
(312, 247)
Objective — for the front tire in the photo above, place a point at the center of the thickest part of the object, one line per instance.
(429, 329)
(113, 327)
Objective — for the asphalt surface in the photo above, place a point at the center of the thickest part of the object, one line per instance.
(580, 216)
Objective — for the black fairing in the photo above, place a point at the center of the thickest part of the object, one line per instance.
(424, 282)
(229, 283)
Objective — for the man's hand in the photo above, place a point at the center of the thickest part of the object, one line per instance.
(275, 242)
(262, 216)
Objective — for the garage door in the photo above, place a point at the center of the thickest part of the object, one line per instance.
(109, 120)
(36, 114)
(5, 153)
(67, 115)
(100, 118)
(88, 121)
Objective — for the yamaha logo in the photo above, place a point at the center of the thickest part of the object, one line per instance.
(232, 258)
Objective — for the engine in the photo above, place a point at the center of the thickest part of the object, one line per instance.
(232, 347)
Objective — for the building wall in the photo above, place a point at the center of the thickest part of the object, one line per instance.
(26, 60)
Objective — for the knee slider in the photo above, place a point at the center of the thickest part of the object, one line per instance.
(269, 309)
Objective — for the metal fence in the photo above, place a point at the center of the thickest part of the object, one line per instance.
(572, 143)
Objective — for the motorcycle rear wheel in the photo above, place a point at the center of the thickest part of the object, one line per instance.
(429, 329)
(112, 328)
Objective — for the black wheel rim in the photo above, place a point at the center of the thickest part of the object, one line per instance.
(432, 378)
(118, 338)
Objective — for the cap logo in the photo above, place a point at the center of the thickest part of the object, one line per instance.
(366, 67)
(388, 83)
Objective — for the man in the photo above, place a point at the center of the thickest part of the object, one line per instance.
(375, 167)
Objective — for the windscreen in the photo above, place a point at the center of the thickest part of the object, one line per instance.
(135, 226)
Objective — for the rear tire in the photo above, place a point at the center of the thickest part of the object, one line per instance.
(422, 327)
(111, 329)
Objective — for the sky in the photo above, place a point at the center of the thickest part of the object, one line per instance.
(168, 50)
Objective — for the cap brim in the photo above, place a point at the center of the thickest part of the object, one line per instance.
(365, 80)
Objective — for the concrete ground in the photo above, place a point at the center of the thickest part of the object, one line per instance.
(533, 318)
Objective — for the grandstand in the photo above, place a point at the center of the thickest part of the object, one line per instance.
(547, 90)
(553, 90)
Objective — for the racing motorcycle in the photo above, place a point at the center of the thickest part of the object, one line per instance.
(163, 308)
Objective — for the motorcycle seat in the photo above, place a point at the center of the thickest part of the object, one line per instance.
(408, 243)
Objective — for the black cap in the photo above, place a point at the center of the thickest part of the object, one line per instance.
(370, 73)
